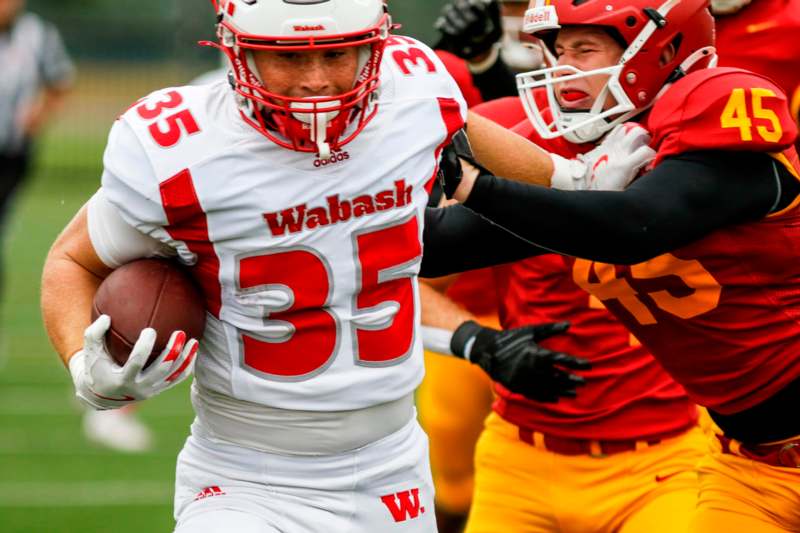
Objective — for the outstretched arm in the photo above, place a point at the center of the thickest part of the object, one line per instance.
(683, 199)
(456, 239)
(507, 154)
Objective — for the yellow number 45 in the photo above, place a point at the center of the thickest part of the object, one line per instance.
(735, 115)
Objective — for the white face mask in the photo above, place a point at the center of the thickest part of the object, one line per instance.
(575, 126)
(516, 54)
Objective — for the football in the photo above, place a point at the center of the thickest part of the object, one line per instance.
(149, 293)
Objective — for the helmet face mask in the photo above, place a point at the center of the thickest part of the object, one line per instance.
(318, 124)
(578, 126)
(659, 46)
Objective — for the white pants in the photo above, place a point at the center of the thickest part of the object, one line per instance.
(385, 486)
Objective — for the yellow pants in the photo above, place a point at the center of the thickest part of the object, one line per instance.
(453, 401)
(520, 488)
(739, 494)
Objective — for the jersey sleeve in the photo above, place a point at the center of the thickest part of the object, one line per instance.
(419, 74)
(114, 240)
(129, 181)
(722, 109)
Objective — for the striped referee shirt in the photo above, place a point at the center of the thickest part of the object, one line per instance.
(32, 56)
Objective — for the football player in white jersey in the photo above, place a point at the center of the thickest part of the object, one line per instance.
(297, 194)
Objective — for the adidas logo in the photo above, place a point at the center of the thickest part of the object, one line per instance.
(332, 160)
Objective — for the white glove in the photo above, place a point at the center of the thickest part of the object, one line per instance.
(568, 174)
(103, 384)
(610, 166)
(727, 7)
(616, 161)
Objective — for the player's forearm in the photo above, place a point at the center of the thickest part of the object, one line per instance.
(72, 273)
(456, 240)
(682, 200)
(439, 311)
(441, 317)
(507, 154)
(67, 293)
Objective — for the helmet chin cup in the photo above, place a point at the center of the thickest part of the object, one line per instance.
(588, 130)
(312, 112)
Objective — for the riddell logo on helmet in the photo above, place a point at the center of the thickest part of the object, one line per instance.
(539, 16)
(316, 27)
(332, 160)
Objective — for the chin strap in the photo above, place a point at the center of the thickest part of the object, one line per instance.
(313, 114)
(318, 131)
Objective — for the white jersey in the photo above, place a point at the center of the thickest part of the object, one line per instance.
(308, 266)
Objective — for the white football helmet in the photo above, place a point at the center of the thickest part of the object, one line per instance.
(319, 124)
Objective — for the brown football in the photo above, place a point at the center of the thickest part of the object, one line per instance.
(149, 293)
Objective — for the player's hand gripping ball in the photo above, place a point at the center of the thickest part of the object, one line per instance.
(150, 293)
(147, 317)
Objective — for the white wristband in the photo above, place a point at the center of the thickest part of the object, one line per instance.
(468, 349)
(436, 340)
(568, 174)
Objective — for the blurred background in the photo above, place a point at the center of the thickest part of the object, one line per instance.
(52, 479)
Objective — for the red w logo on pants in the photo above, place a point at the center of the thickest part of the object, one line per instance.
(403, 505)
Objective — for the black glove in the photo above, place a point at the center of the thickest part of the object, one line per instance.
(513, 359)
(450, 171)
(469, 28)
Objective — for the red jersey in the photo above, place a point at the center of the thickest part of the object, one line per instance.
(722, 314)
(627, 394)
(474, 291)
(763, 38)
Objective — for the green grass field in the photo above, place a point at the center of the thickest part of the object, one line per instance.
(51, 478)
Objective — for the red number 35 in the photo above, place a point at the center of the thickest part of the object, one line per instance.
(176, 124)
(382, 285)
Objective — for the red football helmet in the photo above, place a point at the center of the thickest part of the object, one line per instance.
(636, 81)
(319, 124)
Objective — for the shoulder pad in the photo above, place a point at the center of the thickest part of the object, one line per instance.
(417, 72)
(128, 179)
(178, 126)
(721, 109)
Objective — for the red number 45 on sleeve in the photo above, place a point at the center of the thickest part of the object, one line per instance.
(167, 132)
